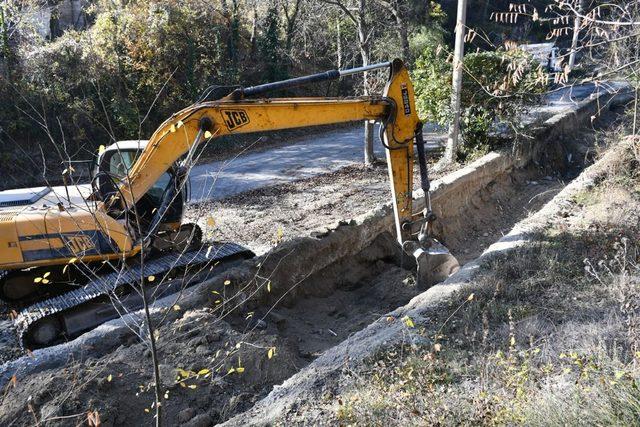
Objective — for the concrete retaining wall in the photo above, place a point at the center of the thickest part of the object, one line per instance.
(292, 261)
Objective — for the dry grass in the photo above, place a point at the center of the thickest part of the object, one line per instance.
(551, 336)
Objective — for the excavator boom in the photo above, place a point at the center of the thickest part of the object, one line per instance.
(111, 226)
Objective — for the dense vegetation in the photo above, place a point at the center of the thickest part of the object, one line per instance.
(134, 63)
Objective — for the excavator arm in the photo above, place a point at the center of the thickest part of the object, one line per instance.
(176, 140)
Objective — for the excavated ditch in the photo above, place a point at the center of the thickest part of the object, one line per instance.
(235, 359)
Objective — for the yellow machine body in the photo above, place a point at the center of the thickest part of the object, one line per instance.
(48, 236)
(36, 236)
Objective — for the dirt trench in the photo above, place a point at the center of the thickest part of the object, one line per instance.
(214, 366)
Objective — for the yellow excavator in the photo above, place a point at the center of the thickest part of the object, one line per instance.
(130, 226)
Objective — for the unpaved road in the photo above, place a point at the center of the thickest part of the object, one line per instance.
(313, 155)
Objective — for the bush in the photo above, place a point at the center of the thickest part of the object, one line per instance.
(497, 86)
(135, 66)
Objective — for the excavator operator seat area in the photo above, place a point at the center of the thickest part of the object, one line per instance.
(116, 162)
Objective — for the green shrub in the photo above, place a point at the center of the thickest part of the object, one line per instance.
(497, 86)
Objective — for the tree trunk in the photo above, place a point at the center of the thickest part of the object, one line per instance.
(254, 26)
(363, 39)
(369, 155)
(291, 23)
(5, 48)
(454, 128)
(576, 35)
(338, 45)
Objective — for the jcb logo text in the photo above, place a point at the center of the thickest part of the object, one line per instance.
(235, 118)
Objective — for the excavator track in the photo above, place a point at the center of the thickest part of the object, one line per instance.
(106, 284)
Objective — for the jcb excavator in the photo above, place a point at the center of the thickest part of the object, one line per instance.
(130, 227)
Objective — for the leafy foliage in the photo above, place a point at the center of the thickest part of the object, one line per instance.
(496, 88)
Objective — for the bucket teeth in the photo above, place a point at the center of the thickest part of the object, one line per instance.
(435, 263)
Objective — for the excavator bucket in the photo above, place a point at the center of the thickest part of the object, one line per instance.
(435, 263)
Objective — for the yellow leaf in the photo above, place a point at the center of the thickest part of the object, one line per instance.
(269, 286)
(437, 347)
(180, 124)
(211, 222)
(183, 385)
(512, 341)
(109, 378)
(37, 280)
(231, 371)
(279, 233)
(217, 301)
(72, 260)
(470, 297)
(203, 371)
(240, 369)
(271, 352)
(146, 410)
(183, 373)
(407, 321)
(47, 274)
(45, 281)
(151, 278)
(176, 307)
(207, 134)
(192, 386)
(227, 282)
(101, 149)
(64, 269)
(172, 129)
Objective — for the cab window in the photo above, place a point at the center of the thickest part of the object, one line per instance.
(120, 163)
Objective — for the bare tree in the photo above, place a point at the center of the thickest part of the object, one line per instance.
(356, 12)
(398, 9)
(291, 11)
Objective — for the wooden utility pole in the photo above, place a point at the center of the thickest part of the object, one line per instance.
(456, 89)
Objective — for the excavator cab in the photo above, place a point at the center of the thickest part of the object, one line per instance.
(113, 166)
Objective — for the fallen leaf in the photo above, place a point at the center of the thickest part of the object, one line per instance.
(407, 321)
